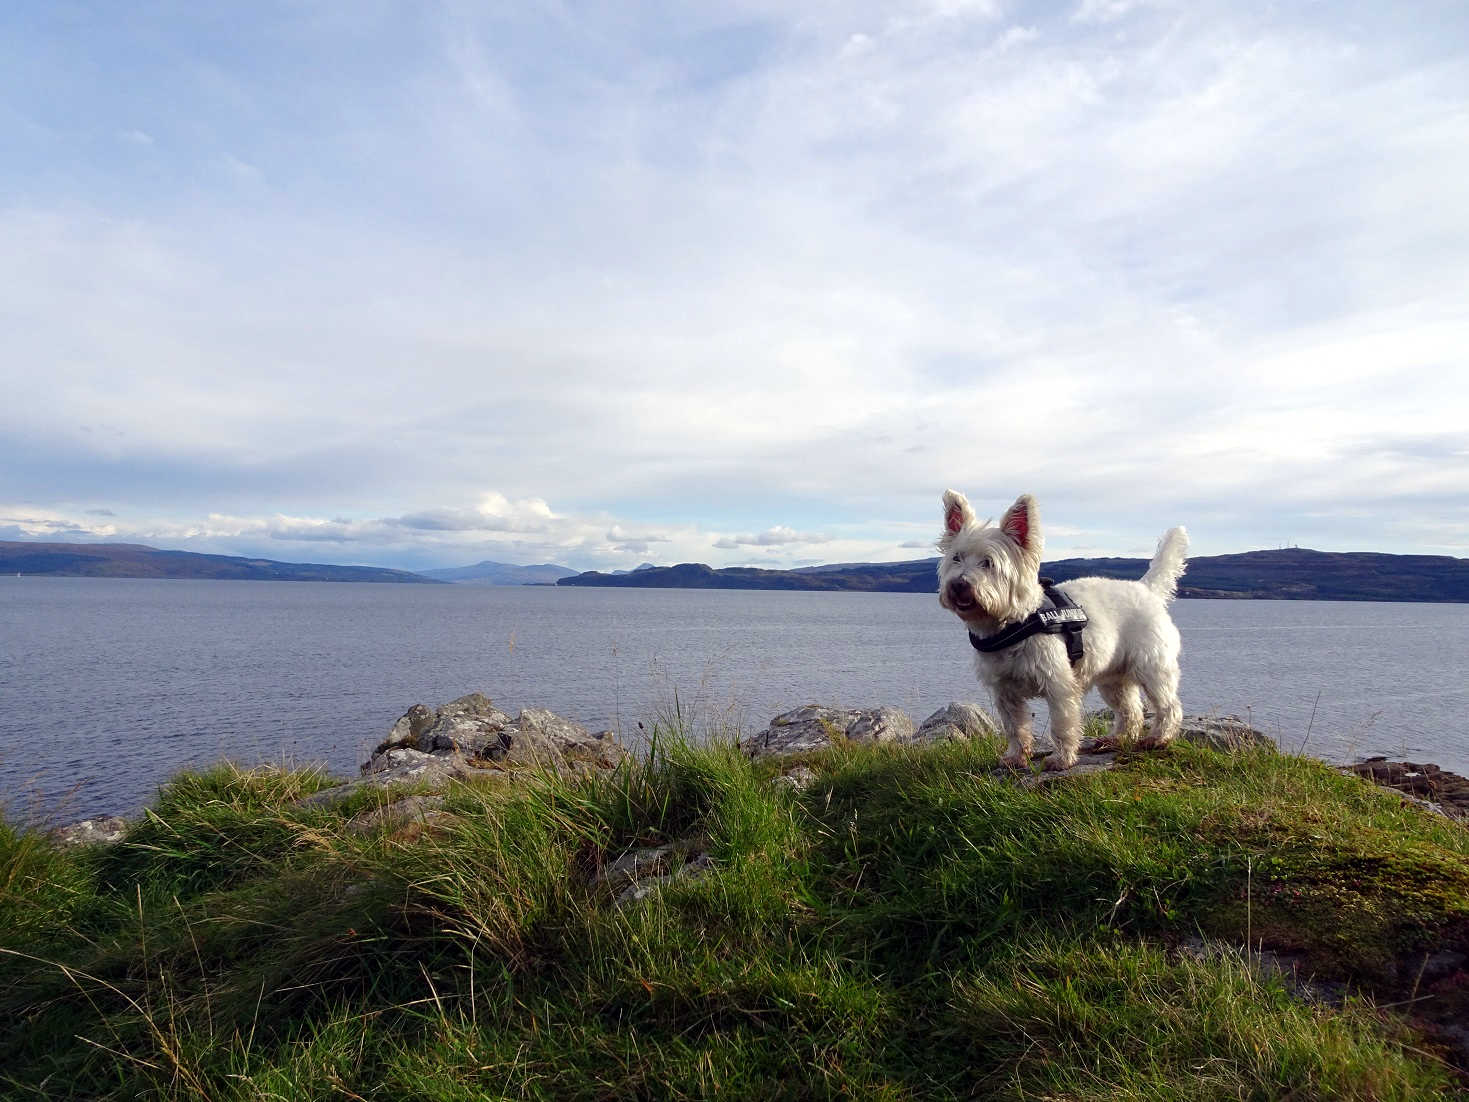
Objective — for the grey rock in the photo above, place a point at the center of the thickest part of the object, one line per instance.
(798, 779)
(394, 758)
(470, 704)
(1223, 733)
(468, 734)
(408, 809)
(430, 822)
(638, 864)
(1085, 763)
(814, 727)
(651, 870)
(800, 730)
(1216, 732)
(470, 720)
(91, 832)
(881, 725)
(696, 867)
(957, 720)
(401, 765)
(1422, 783)
(636, 893)
(407, 731)
(413, 723)
(540, 737)
(421, 768)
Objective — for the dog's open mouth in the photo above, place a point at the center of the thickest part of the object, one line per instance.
(963, 603)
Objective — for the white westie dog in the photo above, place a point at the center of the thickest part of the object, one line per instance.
(990, 578)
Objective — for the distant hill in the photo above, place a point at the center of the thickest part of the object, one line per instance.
(133, 560)
(1291, 574)
(501, 573)
(914, 577)
(1300, 574)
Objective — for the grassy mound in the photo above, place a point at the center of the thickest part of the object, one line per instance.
(909, 925)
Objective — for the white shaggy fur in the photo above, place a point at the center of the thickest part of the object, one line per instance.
(989, 578)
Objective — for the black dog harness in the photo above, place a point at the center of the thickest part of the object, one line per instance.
(1058, 615)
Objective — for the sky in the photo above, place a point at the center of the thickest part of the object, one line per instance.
(419, 284)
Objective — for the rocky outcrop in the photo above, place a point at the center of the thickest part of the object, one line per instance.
(1223, 733)
(472, 728)
(401, 765)
(471, 737)
(815, 727)
(639, 873)
(1446, 792)
(959, 720)
(407, 730)
(412, 815)
(465, 726)
(798, 778)
(539, 737)
(91, 832)
(1227, 732)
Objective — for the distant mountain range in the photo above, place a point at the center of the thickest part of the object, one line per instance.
(501, 573)
(1289, 574)
(909, 577)
(504, 573)
(133, 560)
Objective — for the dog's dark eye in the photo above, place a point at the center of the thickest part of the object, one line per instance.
(958, 557)
(984, 564)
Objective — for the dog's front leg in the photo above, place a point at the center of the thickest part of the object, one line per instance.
(1015, 720)
(1064, 700)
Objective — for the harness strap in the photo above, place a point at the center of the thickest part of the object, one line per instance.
(1058, 615)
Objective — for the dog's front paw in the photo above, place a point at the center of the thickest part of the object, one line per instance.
(1060, 760)
(1152, 742)
(1107, 744)
(1016, 759)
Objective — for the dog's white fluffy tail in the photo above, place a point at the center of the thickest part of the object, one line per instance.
(1168, 563)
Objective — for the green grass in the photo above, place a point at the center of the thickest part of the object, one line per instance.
(910, 926)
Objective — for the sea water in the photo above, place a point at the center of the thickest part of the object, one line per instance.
(108, 686)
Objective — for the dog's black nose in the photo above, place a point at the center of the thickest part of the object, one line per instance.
(960, 591)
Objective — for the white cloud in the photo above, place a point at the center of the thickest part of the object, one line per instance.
(778, 536)
(241, 170)
(1105, 11)
(1015, 36)
(26, 522)
(728, 265)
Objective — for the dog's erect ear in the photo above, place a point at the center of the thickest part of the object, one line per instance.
(957, 514)
(1022, 523)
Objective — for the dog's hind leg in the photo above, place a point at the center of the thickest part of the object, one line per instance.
(1161, 685)
(1127, 710)
(1015, 721)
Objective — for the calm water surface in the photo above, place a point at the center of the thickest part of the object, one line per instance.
(109, 686)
